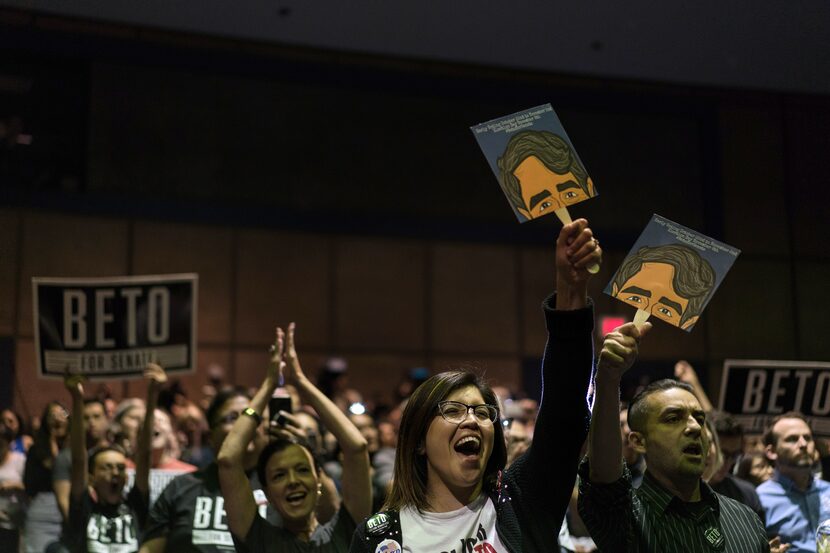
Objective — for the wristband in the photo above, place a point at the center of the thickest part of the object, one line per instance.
(249, 411)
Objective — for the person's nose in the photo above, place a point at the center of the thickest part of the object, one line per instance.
(470, 418)
(693, 427)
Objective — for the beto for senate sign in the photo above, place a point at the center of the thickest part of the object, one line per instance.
(755, 391)
(114, 326)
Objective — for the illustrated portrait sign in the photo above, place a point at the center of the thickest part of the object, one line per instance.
(671, 273)
(535, 162)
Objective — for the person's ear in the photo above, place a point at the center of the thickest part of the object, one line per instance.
(615, 290)
(637, 442)
(591, 190)
(525, 213)
(690, 323)
(772, 456)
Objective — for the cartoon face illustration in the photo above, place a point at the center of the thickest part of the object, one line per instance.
(540, 173)
(670, 282)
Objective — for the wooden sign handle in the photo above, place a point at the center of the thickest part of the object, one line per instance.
(640, 317)
(565, 217)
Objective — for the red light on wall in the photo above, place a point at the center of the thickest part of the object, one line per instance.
(607, 324)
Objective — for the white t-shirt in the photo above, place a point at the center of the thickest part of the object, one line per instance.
(470, 529)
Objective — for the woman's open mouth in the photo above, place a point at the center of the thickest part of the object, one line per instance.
(296, 498)
(469, 446)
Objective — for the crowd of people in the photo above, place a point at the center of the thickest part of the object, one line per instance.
(459, 465)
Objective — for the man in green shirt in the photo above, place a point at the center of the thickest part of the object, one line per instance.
(673, 510)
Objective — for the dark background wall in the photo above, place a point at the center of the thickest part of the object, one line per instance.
(347, 193)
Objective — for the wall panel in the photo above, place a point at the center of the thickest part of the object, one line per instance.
(162, 248)
(380, 294)
(474, 298)
(68, 246)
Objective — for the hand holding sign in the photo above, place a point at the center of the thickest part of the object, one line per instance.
(576, 250)
(155, 375)
(671, 273)
(620, 349)
(74, 383)
(565, 218)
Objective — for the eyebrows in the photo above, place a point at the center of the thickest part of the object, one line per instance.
(534, 201)
(637, 290)
(673, 304)
(566, 185)
(696, 412)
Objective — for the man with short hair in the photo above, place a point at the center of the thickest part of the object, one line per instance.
(795, 502)
(673, 510)
(100, 519)
(96, 426)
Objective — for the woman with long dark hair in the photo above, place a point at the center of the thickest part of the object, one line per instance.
(451, 490)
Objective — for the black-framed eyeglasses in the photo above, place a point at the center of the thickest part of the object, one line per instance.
(456, 412)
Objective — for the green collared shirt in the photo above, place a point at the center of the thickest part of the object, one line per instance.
(649, 519)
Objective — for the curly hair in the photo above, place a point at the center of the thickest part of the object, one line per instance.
(550, 149)
(693, 278)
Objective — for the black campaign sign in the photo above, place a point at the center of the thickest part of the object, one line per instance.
(757, 391)
(106, 327)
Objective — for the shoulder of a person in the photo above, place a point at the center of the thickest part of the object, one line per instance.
(822, 485)
(177, 485)
(732, 504)
(743, 485)
(770, 487)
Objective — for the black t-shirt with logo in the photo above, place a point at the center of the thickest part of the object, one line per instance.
(190, 514)
(331, 537)
(99, 528)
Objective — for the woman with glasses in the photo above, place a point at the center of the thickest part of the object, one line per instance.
(450, 489)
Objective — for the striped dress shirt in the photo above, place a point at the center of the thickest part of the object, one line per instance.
(649, 519)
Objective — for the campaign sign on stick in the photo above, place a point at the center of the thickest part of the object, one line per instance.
(756, 391)
(535, 163)
(671, 273)
(112, 327)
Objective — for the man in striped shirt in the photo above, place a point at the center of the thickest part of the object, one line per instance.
(673, 510)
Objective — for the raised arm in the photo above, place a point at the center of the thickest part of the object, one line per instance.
(155, 377)
(619, 351)
(576, 250)
(684, 372)
(356, 480)
(240, 506)
(562, 422)
(77, 436)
